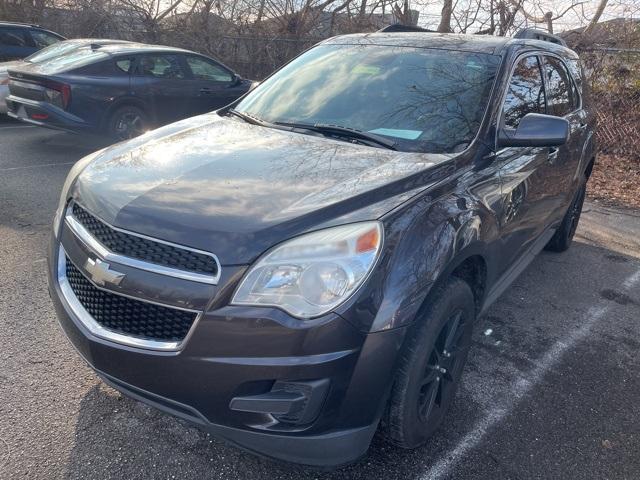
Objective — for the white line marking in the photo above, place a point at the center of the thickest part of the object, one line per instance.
(520, 387)
(17, 126)
(631, 281)
(35, 166)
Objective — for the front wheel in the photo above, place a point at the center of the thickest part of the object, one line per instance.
(563, 237)
(127, 122)
(431, 365)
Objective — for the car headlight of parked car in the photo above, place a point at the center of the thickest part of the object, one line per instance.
(310, 275)
(77, 168)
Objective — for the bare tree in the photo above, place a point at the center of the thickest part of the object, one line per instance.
(596, 18)
(445, 16)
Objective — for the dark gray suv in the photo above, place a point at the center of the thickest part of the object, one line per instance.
(304, 267)
(19, 40)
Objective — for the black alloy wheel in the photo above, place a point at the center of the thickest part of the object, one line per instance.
(563, 236)
(443, 368)
(431, 365)
(128, 122)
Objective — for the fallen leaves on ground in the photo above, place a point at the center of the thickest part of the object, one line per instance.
(616, 181)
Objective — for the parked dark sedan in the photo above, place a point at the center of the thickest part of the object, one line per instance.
(121, 90)
(46, 54)
(307, 267)
(19, 40)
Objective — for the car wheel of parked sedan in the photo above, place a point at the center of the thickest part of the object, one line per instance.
(561, 240)
(127, 122)
(431, 365)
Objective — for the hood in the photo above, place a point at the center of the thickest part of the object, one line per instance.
(5, 66)
(235, 189)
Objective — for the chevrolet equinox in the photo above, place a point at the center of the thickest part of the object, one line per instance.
(305, 266)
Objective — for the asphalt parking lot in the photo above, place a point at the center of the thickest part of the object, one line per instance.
(552, 388)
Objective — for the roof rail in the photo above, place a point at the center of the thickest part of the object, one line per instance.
(23, 24)
(536, 34)
(398, 27)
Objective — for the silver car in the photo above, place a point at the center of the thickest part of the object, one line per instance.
(44, 55)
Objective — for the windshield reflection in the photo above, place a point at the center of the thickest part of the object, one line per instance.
(427, 100)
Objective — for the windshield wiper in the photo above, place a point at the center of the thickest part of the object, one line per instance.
(248, 118)
(340, 131)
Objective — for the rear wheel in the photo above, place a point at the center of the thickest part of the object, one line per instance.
(127, 122)
(561, 240)
(431, 366)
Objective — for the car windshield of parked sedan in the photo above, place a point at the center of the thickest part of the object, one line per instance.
(426, 100)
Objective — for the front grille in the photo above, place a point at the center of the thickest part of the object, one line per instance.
(127, 316)
(145, 249)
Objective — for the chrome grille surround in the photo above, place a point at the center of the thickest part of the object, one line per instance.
(82, 233)
(98, 330)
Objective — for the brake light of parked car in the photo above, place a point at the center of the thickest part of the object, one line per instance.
(58, 94)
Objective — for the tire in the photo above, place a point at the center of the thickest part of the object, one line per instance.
(422, 393)
(127, 122)
(561, 240)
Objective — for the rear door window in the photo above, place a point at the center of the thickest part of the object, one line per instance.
(559, 88)
(160, 66)
(204, 69)
(525, 93)
(14, 37)
(575, 70)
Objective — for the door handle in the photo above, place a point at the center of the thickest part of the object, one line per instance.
(206, 91)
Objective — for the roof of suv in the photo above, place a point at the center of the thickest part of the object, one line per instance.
(447, 41)
(22, 25)
(29, 26)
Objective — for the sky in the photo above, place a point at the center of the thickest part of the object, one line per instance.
(430, 12)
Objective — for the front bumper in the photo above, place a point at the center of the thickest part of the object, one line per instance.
(4, 93)
(242, 352)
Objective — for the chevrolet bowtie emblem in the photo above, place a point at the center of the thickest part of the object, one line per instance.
(101, 273)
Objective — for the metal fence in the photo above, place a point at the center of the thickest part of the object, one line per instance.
(258, 57)
(618, 115)
(253, 56)
(614, 79)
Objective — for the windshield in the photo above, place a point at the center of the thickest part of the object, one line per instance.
(53, 51)
(426, 100)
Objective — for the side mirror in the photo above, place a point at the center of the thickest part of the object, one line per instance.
(236, 79)
(535, 130)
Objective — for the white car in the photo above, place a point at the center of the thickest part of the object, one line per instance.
(44, 55)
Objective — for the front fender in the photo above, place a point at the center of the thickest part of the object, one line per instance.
(424, 244)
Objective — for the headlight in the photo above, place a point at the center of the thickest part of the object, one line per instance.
(314, 273)
(68, 183)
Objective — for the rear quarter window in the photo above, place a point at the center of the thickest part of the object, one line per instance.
(123, 65)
